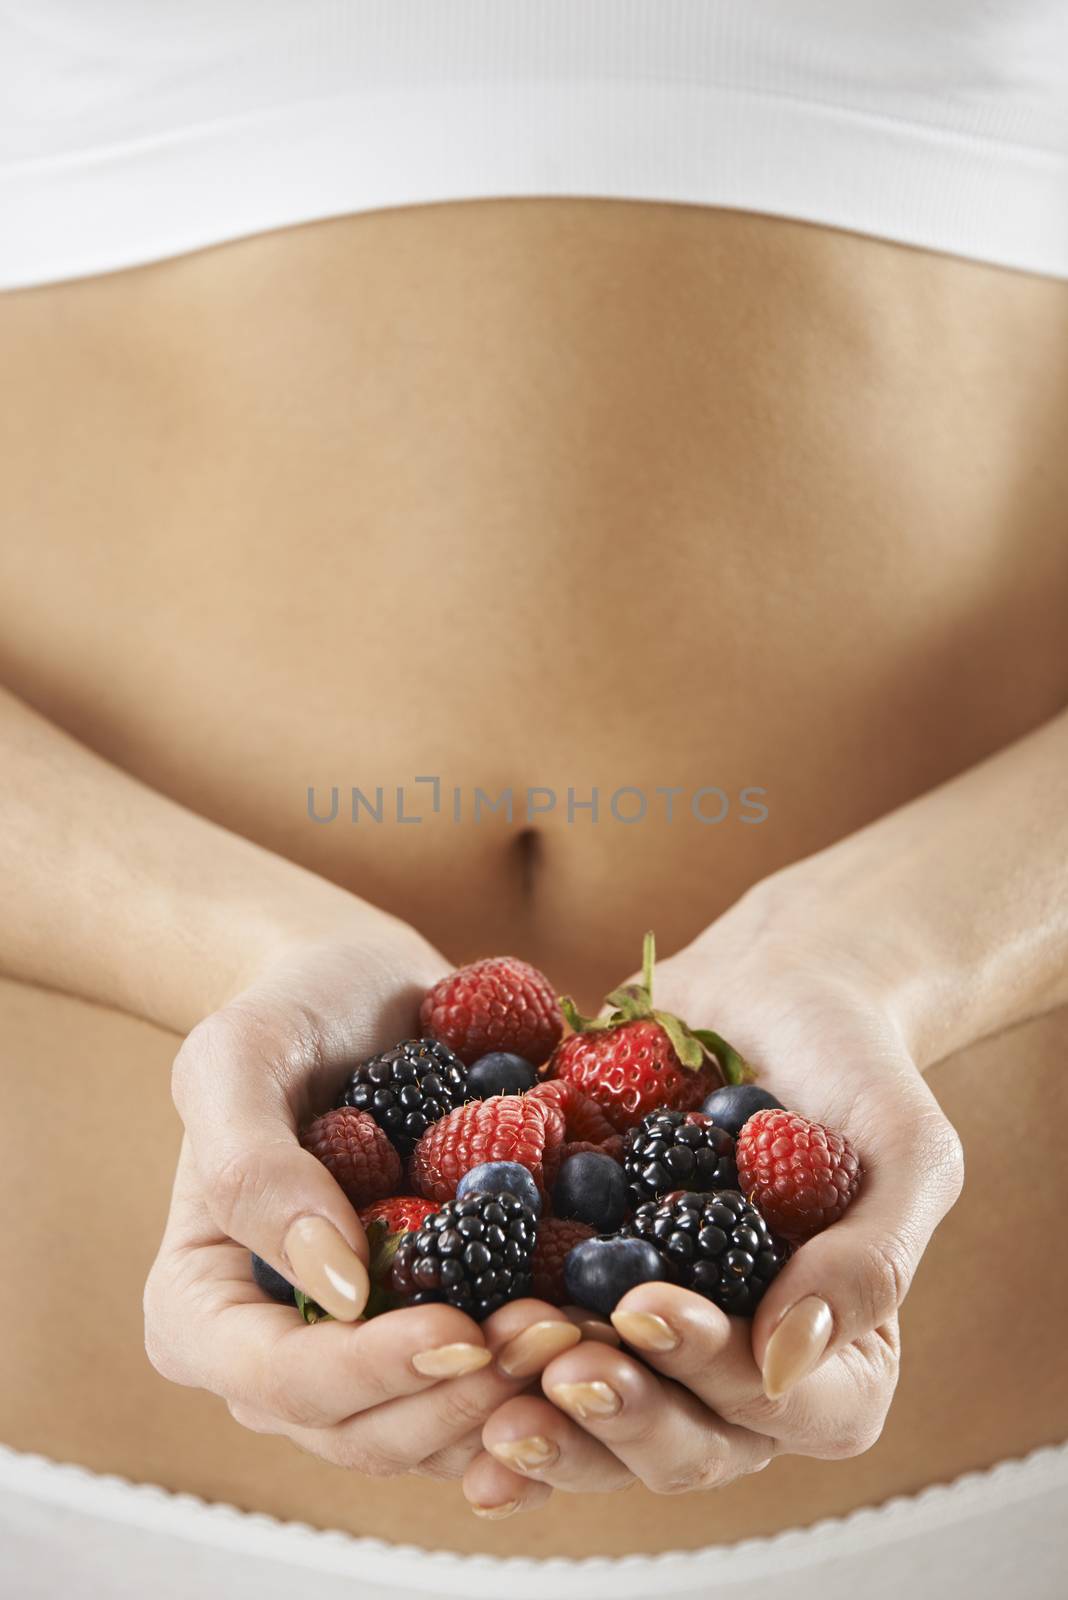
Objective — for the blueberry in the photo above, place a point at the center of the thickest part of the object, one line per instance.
(271, 1282)
(500, 1073)
(501, 1177)
(598, 1272)
(591, 1189)
(731, 1108)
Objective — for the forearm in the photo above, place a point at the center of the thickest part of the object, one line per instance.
(958, 900)
(115, 893)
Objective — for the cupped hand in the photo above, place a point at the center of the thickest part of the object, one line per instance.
(405, 1392)
(715, 1397)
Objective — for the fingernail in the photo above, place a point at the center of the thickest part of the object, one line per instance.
(592, 1327)
(326, 1268)
(587, 1399)
(535, 1347)
(495, 1513)
(451, 1360)
(645, 1331)
(527, 1454)
(797, 1345)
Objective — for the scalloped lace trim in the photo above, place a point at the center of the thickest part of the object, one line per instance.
(182, 1515)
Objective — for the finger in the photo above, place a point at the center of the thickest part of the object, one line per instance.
(451, 1463)
(850, 1280)
(493, 1491)
(525, 1335)
(535, 1439)
(663, 1434)
(591, 1325)
(838, 1411)
(232, 1090)
(398, 1436)
(225, 1337)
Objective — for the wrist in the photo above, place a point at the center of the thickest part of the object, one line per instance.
(290, 910)
(847, 917)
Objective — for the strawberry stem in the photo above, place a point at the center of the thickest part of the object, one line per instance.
(648, 963)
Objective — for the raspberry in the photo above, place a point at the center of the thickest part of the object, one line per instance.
(474, 1254)
(800, 1174)
(356, 1153)
(402, 1213)
(510, 1127)
(498, 1004)
(718, 1245)
(407, 1088)
(555, 1238)
(677, 1150)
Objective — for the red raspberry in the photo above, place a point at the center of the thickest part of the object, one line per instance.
(800, 1175)
(498, 1004)
(631, 1069)
(356, 1153)
(402, 1213)
(583, 1117)
(585, 1125)
(555, 1238)
(509, 1127)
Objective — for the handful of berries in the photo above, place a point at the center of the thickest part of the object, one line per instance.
(493, 1158)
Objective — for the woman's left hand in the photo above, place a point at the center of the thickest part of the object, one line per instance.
(715, 1397)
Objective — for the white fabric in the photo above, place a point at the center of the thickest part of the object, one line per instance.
(132, 131)
(67, 1532)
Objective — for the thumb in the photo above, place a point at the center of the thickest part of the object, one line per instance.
(851, 1279)
(260, 1187)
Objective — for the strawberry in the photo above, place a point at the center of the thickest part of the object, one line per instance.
(555, 1238)
(510, 1127)
(800, 1175)
(640, 1060)
(356, 1153)
(497, 1004)
(401, 1213)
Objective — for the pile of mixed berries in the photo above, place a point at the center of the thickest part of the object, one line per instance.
(493, 1157)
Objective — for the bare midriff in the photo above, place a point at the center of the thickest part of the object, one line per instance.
(663, 502)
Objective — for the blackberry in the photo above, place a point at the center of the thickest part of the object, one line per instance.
(474, 1254)
(677, 1150)
(718, 1245)
(407, 1087)
(271, 1282)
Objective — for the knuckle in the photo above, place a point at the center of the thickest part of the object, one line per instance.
(281, 1399)
(370, 1460)
(238, 1188)
(708, 1472)
(246, 1417)
(158, 1347)
(852, 1437)
(461, 1409)
(886, 1277)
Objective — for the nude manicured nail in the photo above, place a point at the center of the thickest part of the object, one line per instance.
(526, 1454)
(451, 1360)
(797, 1345)
(495, 1513)
(535, 1347)
(326, 1268)
(645, 1331)
(587, 1400)
(592, 1327)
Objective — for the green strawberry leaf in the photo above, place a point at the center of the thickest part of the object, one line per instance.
(734, 1067)
(309, 1310)
(688, 1049)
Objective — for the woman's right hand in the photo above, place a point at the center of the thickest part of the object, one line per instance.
(402, 1394)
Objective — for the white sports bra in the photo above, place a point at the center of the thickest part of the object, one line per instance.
(131, 132)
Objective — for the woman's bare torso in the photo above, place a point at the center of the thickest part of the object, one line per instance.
(571, 495)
